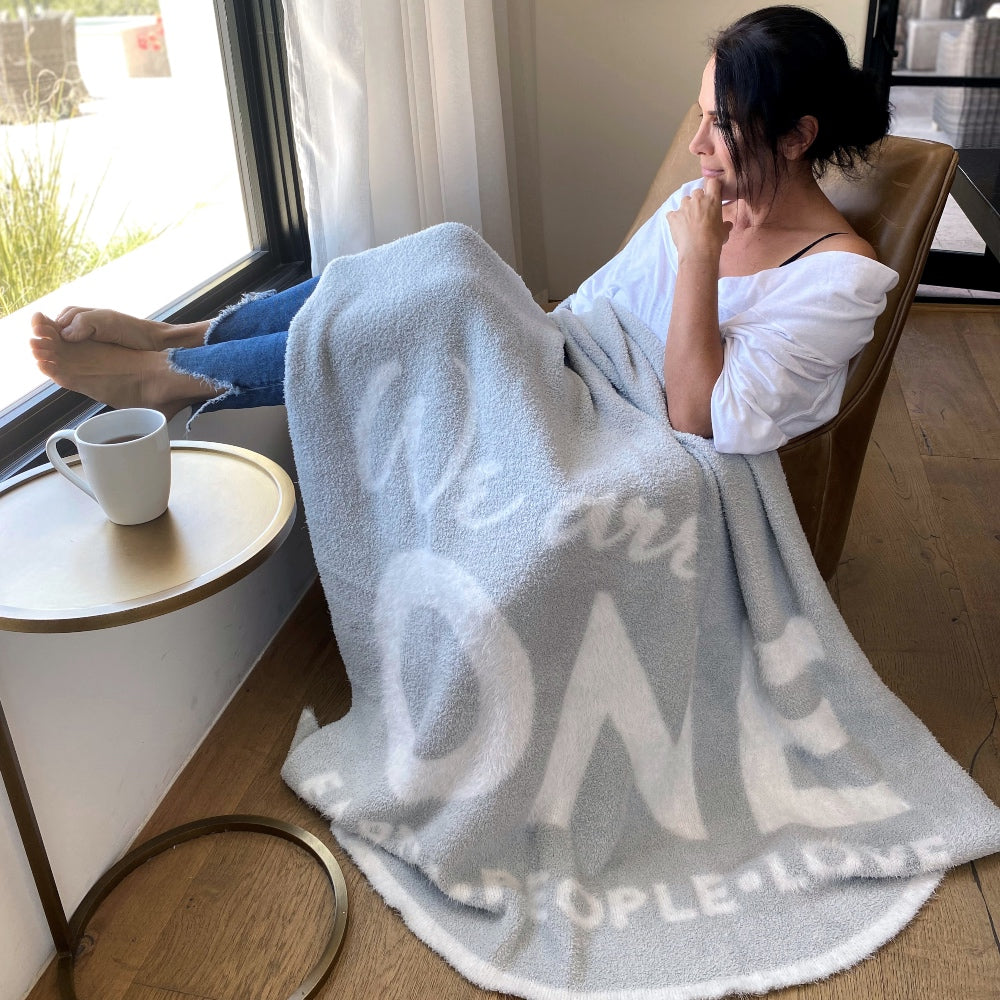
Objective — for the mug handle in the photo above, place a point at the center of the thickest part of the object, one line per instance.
(59, 463)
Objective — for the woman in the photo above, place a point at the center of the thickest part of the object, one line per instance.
(607, 736)
(753, 251)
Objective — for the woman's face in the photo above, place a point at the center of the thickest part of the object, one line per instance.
(708, 144)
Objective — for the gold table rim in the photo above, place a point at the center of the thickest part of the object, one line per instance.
(15, 619)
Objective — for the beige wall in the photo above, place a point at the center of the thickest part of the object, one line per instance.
(613, 82)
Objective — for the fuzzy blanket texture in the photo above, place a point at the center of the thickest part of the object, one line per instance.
(609, 736)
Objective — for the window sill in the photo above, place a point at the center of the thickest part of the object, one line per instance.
(141, 283)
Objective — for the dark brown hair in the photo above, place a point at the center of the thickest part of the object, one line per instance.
(776, 65)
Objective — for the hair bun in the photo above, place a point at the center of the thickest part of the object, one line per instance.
(861, 117)
(869, 105)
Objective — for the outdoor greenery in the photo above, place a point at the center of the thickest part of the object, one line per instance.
(43, 242)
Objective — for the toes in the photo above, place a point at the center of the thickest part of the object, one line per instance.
(51, 371)
(79, 326)
(43, 348)
(69, 313)
(42, 326)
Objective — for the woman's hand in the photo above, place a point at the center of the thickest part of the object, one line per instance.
(693, 357)
(697, 227)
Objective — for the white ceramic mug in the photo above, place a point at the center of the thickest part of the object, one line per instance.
(126, 458)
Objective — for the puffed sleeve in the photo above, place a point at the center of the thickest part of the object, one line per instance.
(786, 355)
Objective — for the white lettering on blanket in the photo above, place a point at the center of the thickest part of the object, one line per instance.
(765, 736)
(709, 894)
(406, 441)
(502, 728)
(591, 516)
(662, 765)
(641, 528)
(663, 769)
(703, 895)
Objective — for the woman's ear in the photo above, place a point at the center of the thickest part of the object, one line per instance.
(795, 142)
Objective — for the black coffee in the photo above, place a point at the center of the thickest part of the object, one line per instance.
(123, 439)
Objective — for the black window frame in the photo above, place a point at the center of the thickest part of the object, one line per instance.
(944, 268)
(251, 34)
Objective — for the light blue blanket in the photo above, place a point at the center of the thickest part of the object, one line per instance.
(609, 736)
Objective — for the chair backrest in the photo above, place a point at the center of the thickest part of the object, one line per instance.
(896, 207)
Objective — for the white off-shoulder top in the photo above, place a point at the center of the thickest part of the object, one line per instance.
(788, 332)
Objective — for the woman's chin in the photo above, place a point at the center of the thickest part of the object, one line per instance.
(727, 187)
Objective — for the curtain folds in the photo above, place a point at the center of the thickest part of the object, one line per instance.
(412, 112)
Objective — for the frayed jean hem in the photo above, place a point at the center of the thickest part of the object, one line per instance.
(243, 373)
(243, 355)
(225, 327)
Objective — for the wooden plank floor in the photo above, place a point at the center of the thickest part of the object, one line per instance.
(242, 917)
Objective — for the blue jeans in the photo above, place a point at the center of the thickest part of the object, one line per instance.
(244, 351)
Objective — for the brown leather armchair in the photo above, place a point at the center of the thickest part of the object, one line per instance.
(896, 207)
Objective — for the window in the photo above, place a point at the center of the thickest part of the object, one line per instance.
(231, 218)
(941, 61)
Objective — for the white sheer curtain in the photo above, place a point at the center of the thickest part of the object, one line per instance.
(412, 112)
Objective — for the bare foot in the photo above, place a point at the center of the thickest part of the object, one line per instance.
(118, 376)
(109, 327)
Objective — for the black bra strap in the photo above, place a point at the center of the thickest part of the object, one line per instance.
(796, 256)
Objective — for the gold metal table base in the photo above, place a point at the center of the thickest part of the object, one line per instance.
(230, 509)
(138, 856)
